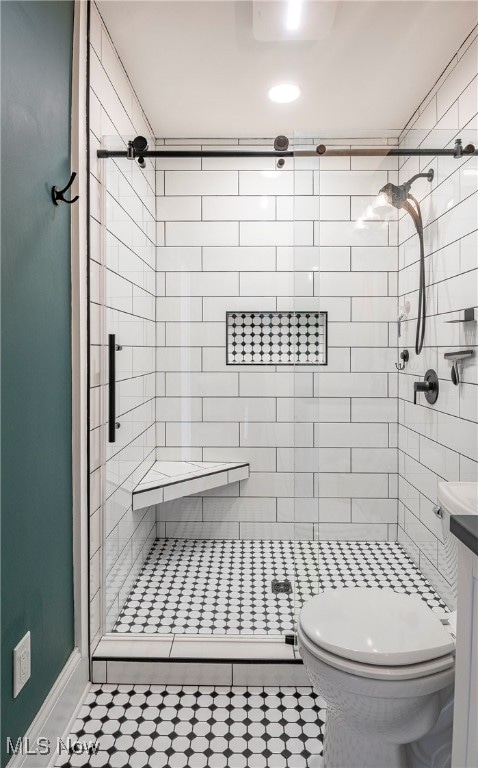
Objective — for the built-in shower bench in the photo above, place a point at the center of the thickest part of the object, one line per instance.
(168, 480)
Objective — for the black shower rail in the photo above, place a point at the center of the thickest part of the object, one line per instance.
(320, 151)
(194, 153)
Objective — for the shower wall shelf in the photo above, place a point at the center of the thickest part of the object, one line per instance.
(169, 480)
(468, 317)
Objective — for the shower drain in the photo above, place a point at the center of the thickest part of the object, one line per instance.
(281, 586)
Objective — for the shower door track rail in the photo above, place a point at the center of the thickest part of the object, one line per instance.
(321, 150)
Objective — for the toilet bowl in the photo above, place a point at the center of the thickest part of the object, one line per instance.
(384, 663)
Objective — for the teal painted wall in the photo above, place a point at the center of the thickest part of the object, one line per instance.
(36, 545)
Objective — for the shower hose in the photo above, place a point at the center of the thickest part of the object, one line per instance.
(422, 301)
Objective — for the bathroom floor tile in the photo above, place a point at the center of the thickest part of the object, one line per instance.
(199, 727)
(224, 586)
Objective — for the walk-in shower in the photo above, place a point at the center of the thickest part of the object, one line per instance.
(265, 447)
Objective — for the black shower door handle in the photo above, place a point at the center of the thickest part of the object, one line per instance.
(113, 425)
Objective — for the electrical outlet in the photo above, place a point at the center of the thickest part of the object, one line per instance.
(21, 664)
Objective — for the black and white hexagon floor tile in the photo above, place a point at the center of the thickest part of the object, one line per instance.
(157, 726)
(219, 587)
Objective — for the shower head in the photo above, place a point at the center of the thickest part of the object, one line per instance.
(398, 195)
(394, 195)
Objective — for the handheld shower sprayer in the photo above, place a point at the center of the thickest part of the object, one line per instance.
(400, 197)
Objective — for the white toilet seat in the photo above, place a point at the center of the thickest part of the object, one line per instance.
(376, 633)
(377, 672)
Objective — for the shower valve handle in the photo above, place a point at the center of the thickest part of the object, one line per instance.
(429, 386)
(420, 386)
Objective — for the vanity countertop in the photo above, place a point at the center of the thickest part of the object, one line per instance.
(465, 528)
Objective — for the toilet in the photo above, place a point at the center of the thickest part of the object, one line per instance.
(384, 663)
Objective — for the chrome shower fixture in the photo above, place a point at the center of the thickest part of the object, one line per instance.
(400, 197)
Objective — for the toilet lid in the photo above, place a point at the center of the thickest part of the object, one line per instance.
(375, 626)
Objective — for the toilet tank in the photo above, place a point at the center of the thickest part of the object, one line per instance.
(455, 499)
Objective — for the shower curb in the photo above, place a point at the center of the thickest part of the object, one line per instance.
(173, 660)
(198, 672)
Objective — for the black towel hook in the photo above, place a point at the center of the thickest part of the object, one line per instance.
(57, 194)
(405, 357)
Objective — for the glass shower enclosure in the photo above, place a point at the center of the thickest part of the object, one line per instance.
(202, 342)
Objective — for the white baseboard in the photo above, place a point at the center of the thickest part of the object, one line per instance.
(56, 713)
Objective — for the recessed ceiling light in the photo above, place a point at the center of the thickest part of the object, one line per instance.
(283, 93)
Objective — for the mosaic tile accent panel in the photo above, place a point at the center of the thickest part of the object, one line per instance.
(159, 726)
(224, 587)
(276, 338)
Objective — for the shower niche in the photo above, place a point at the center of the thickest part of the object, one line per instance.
(276, 338)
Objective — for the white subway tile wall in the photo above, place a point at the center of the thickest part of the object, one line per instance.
(440, 442)
(233, 236)
(122, 301)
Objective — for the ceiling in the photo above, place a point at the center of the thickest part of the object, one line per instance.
(203, 68)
